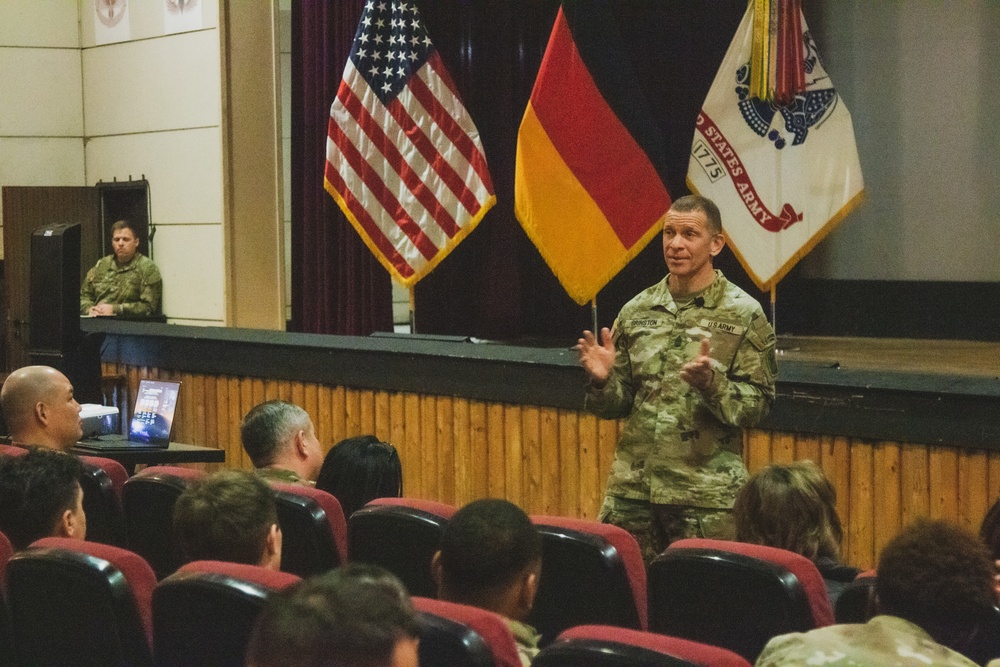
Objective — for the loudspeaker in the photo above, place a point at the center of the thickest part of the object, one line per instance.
(54, 303)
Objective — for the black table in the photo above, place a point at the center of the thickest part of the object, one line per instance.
(175, 453)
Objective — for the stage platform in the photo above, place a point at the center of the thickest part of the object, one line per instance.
(896, 355)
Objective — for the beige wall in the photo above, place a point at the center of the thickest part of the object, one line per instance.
(41, 95)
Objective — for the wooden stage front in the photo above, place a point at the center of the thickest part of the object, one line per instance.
(904, 428)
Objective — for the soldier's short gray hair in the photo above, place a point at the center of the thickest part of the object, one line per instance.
(268, 426)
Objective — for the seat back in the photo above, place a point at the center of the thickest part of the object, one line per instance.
(12, 450)
(606, 646)
(737, 596)
(102, 484)
(80, 603)
(313, 530)
(205, 612)
(856, 603)
(986, 644)
(400, 535)
(592, 573)
(8, 656)
(458, 635)
(148, 502)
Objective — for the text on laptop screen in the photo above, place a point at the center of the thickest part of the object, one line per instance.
(154, 411)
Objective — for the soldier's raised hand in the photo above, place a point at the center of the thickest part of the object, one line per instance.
(597, 357)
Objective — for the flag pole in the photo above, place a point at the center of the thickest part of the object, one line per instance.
(774, 310)
(593, 316)
(413, 311)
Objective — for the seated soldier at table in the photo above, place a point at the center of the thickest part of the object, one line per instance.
(123, 283)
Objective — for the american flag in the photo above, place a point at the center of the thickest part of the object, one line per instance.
(403, 157)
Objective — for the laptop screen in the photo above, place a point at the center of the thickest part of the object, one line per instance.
(154, 411)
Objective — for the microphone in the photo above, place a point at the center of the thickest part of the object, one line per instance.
(699, 302)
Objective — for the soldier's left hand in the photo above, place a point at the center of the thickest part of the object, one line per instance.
(103, 309)
(698, 373)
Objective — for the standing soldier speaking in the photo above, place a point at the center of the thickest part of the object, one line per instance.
(689, 363)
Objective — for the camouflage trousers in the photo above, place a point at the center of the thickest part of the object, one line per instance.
(655, 526)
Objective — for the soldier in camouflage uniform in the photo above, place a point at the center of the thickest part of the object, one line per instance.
(690, 362)
(123, 283)
(934, 588)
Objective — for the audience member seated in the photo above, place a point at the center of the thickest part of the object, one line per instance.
(281, 442)
(124, 283)
(39, 408)
(934, 589)
(358, 470)
(40, 496)
(359, 615)
(229, 516)
(793, 506)
(491, 557)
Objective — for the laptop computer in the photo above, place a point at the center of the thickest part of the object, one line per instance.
(151, 422)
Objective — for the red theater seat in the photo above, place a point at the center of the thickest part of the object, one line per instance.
(400, 535)
(102, 484)
(458, 635)
(592, 573)
(148, 500)
(313, 530)
(73, 601)
(12, 450)
(606, 646)
(7, 654)
(204, 613)
(737, 596)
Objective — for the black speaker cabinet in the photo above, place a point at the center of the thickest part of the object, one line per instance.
(54, 305)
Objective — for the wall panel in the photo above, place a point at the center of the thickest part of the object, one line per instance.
(555, 461)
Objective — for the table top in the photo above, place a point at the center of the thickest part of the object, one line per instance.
(175, 453)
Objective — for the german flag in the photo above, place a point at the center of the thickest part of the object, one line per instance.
(586, 186)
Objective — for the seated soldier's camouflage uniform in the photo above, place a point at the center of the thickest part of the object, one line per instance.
(681, 446)
(884, 640)
(134, 290)
(282, 476)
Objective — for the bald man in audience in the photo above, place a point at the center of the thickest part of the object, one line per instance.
(40, 409)
(230, 516)
(280, 440)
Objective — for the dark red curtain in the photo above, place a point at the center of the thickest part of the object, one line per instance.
(494, 284)
(337, 284)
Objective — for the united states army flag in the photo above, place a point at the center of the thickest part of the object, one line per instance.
(783, 174)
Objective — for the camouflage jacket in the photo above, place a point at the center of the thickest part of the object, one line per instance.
(526, 639)
(679, 445)
(134, 289)
(884, 640)
(282, 476)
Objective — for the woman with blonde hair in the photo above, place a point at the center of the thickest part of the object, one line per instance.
(793, 506)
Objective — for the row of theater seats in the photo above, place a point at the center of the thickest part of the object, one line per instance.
(86, 603)
(726, 594)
